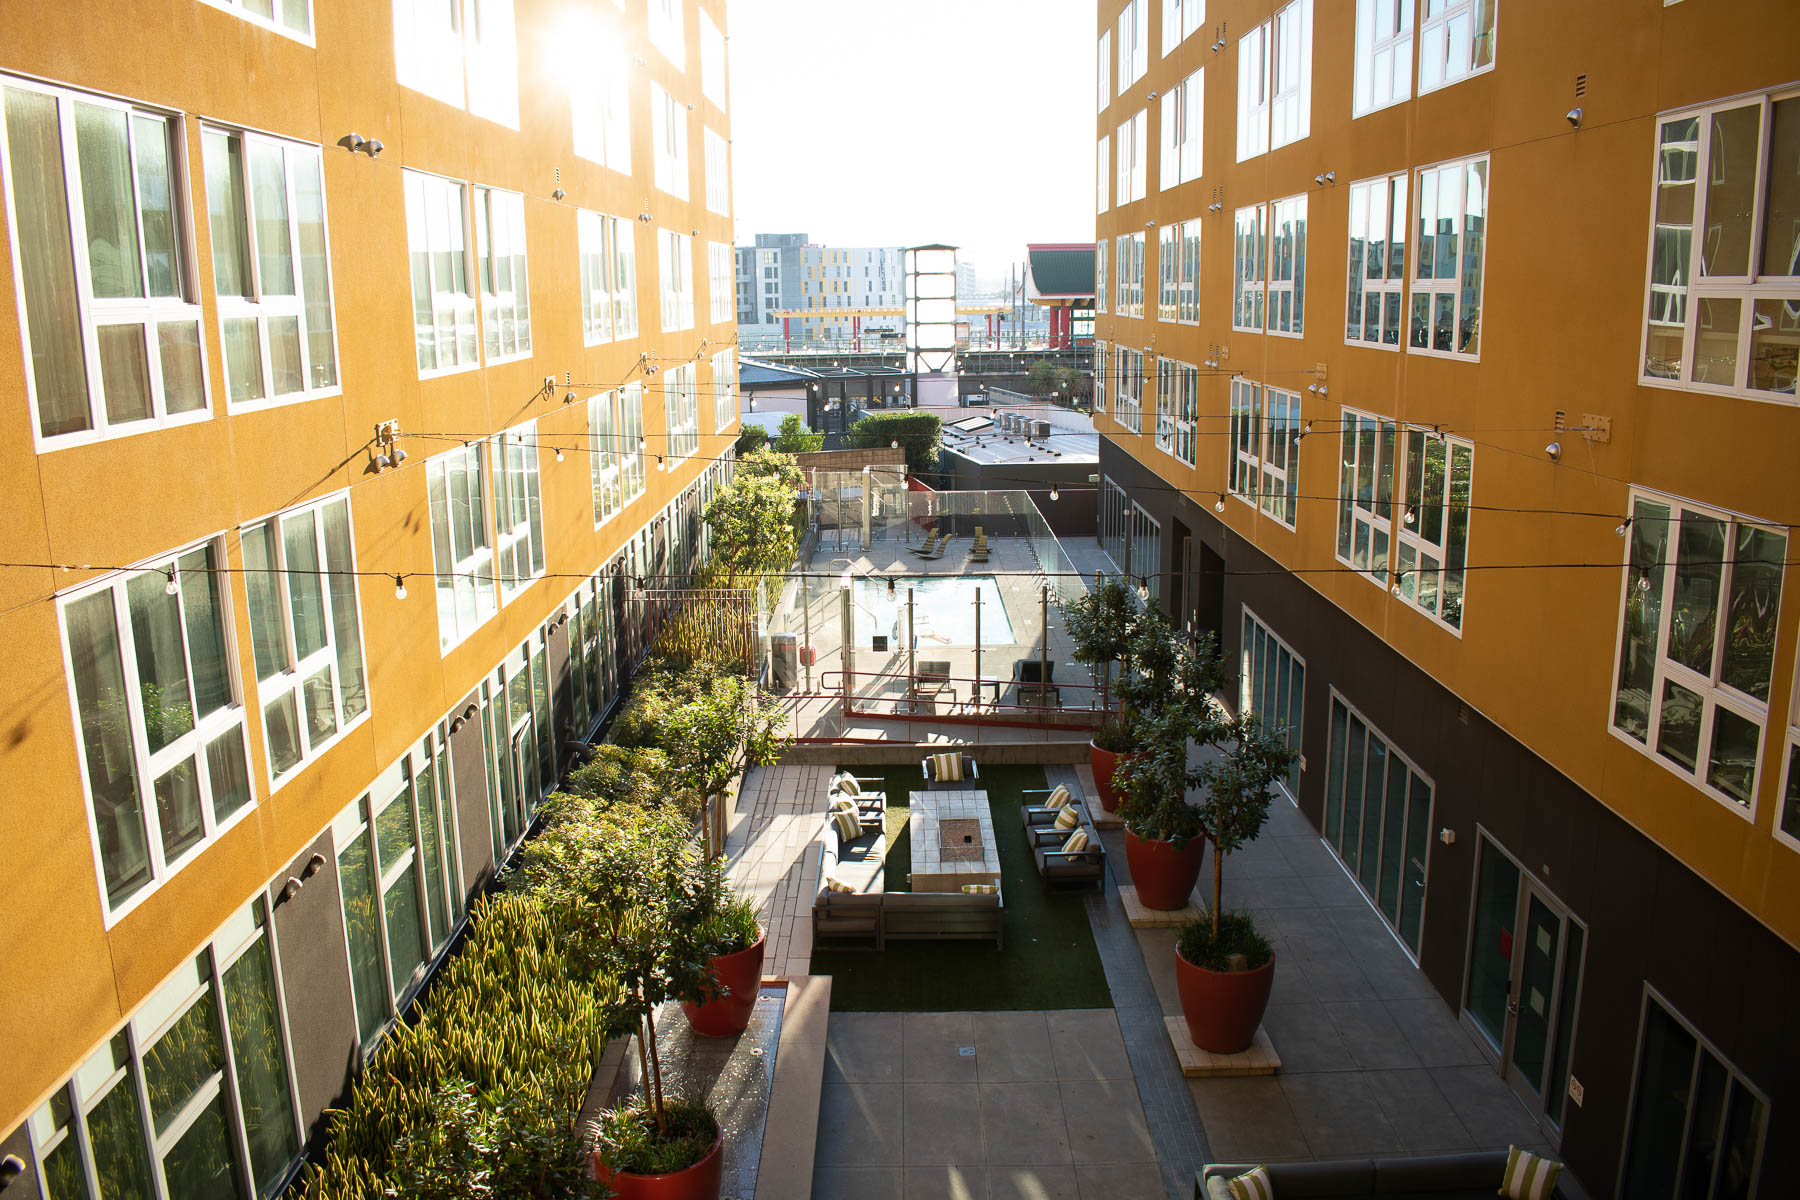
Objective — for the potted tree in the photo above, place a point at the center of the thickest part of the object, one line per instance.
(1223, 966)
(1100, 625)
(1165, 836)
(733, 943)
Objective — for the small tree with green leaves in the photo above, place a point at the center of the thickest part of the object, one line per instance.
(795, 438)
(1099, 623)
(751, 437)
(700, 717)
(919, 433)
(753, 518)
(1237, 787)
(1171, 692)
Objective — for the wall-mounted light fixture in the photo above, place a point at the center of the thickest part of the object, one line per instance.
(558, 194)
(1554, 450)
(1573, 117)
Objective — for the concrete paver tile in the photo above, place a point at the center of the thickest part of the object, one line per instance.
(859, 1125)
(1106, 1121)
(943, 1124)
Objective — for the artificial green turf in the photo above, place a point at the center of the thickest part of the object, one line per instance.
(1049, 960)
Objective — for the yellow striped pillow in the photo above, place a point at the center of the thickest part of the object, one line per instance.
(834, 884)
(1077, 841)
(1528, 1177)
(1059, 797)
(1252, 1185)
(947, 767)
(846, 783)
(1067, 819)
(842, 804)
(848, 827)
(981, 889)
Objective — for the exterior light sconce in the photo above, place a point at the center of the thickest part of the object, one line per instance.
(1327, 177)
(1218, 45)
(568, 397)
(1447, 836)
(558, 194)
(1152, 95)
(1554, 450)
(387, 452)
(353, 141)
(1573, 117)
(373, 147)
(1324, 391)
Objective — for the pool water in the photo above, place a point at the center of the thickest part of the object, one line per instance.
(943, 611)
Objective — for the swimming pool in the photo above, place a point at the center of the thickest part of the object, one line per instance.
(943, 611)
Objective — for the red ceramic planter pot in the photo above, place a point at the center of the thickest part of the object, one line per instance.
(740, 978)
(1104, 763)
(1223, 1008)
(1163, 876)
(698, 1182)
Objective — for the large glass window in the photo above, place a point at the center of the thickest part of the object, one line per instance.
(675, 279)
(1788, 822)
(1183, 114)
(518, 510)
(1448, 257)
(1250, 259)
(724, 390)
(712, 61)
(1102, 375)
(1128, 390)
(1456, 40)
(1378, 819)
(1384, 37)
(1134, 43)
(1366, 493)
(720, 282)
(1131, 154)
(161, 726)
(1274, 105)
(100, 249)
(1723, 307)
(1146, 551)
(1432, 545)
(681, 407)
(1103, 175)
(718, 173)
(1272, 684)
(292, 17)
(666, 32)
(1105, 75)
(1287, 266)
(1377, 268)
(463, 52)
(669, 120)
(437, 235)
(1180, 18)
(505, 284)
(1264, 468)
(1697, 642)
(1697, 1125)
(1187, 284)
(1177, 402)
(1168, 264)
(601, 100)
(461, 551)
(305, 629)
(1115, 527)
(608, 277)
(1130, 273)
(271, 270)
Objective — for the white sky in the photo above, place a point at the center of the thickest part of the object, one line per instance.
(900, 122)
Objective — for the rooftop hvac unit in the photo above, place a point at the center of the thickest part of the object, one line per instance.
(1005, 422)
(1043, 430)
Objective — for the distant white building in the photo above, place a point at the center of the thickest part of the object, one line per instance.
(784, 273)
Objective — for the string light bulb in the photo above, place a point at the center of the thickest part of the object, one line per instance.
(1644, 582)
(642, 442)
(1054, 494)
(170, 588)
(1412, 517)
(559, 454)
(1219, 504)
(399, 587)
(1143, 587)
(1624, 527)
(659, 462)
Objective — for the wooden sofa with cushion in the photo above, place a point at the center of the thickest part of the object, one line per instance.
(871, 914)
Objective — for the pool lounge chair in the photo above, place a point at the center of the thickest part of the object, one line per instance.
(932, 543)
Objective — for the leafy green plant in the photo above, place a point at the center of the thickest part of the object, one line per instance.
(1115, 737)
(753, 519)
(631, 1141)
(491, 1145)
(1237, 787)
(727, 923)
(1099, 624)
(700, 718)
(1215, 944)
(795, 438)
(751, 437)
(919, 434)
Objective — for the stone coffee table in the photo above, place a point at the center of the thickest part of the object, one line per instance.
(949, 816)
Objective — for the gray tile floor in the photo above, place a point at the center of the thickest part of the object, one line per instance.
(1373, 1061)
(982, 1106)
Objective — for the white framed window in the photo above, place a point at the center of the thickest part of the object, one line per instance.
(462, 553)
(681, 410)
(111, 320)
(600, 98)
(505, 283)
(1432, 539)
(1183, 117)
(666, 32)
(1384, 45)
(1129, 271)
(725, 392)
(669, 133)
(606, 454)
(305, 631)
(720, 281)
(1250, 259)
(212, 1106)
(1168, 272)
(1115, 521)
(1146, 550)
(1264, 468)
(718, 173)
(1103, 171)
(1102, 375)
(1723, 304)
(1375, 306)
(1105, 69)
(1180, 18)
(608, 277)
(712, 60)
(437, 234)
(1134, 43)
(271, 268)
(1697, 632)
(1366, 493)
(675, 279)
(1100, 289)
(290, 17)
(1287, 266)
(518, 510)
(1787, 821)
(1187, 285)
(1131, 152)
(1128, 395)
(463, 52)
(1456, 40)
(1272, 684)
(1378, 819)
(1253, 93)
(1177, 402)
(1275, 81)
(161, 726)
(1449, 254)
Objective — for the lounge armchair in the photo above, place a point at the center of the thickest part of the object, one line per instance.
(979, 551)
(1040, 813)
(1056, 865)
(931, 679)
(970, 773)
(871, 804)
(941, 547)
(1036, 677)
(931, 543)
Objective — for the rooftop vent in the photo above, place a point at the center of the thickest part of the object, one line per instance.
(1043, 430)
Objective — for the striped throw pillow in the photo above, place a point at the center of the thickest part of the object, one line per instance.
(834, 884)
(981, 889)
(947, 767)
(846, 783)
(1059, 798)
(1067, 819)
(1252, 1185)
(842, 804)
(1077, 841)
(1527, 1176)
(848, 827)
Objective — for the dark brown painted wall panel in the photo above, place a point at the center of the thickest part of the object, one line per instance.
(315, 979)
